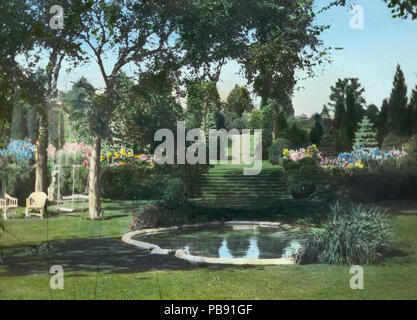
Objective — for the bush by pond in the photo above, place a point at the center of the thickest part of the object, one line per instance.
(351, 236)
(155, 216)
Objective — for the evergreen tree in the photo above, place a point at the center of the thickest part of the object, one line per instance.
(343, 142)
(316, 133)
(412, 113)
(365, 136)
(383, 121)
(297, 136)
(372, 113)
(347, 100)
(397, 111)
(328, 144)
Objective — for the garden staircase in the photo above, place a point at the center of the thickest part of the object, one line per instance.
(225, 186)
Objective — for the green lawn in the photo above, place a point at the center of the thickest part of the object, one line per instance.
(98, 265)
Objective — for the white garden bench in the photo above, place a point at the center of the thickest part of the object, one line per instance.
(36, 201)
(7, 203)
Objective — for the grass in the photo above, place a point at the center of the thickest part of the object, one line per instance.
(98, 266)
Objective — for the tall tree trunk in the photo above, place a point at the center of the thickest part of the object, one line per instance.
(41, 183)
(94, 204)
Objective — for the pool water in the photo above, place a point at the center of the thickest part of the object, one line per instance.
(228, 242)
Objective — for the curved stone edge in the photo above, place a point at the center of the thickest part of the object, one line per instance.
(155, 249)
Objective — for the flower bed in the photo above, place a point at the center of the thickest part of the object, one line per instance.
(18, 151)
(123, 156)
(356, 159)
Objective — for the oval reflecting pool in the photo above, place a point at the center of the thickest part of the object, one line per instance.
(250, 242)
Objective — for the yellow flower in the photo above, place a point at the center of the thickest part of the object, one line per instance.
(123, 152)
(284, 152)
(359, 164)
(116, 154)
(108, 154)
(129, 154)
(102, 158)
(315, 146)
(136, 156)
(122, 163)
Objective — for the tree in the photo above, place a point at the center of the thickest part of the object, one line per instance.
(328, 144)
(138, 115)
(399, 8)
(325, 112)
(286, 36)
(316, 133)
(203, 101)
(239, 101)
(347, 100)
(131, 31)
(19, 128)
(383, 121)
(372, 112)
(397, 111)
(297, 136)
(412, 113)
(15, 38)
(365, 136)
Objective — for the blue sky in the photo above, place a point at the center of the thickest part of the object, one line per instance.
(370, 54)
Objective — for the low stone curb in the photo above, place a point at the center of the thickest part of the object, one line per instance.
(155, 249)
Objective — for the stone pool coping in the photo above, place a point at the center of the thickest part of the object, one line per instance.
(155, 249)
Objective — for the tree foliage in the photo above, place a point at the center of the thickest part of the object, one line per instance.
(397, 104)
(365, 136)
(347, 101)
(239, 101)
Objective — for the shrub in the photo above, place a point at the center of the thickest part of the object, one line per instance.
(352, 236)
(383, 185)
(310, 171)
(277, 147)
(131, 182)
(154, 216)
(18, 151)
(300, 187)
(18, 181)
(174, 194)
(290, 165)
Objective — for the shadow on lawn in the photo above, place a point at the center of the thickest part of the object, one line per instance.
(108, 255)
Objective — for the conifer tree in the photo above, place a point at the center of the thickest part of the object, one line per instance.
(316, 133)
(365, 136)
(397, 112)
(412, 113)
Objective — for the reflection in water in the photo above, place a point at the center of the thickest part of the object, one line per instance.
(253, 250)
(186, 249)
(292, 249)
(224, 242)
(224, 251)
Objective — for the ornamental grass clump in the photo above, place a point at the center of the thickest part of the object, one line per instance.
(353, 236)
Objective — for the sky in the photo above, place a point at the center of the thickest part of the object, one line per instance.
(370, 54)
